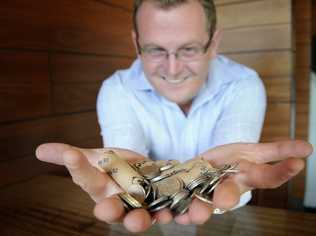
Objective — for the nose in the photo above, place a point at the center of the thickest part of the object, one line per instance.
(174, 65)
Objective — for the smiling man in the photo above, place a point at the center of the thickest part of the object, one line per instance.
(179, 98)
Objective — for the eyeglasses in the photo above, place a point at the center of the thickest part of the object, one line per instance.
(185, 54)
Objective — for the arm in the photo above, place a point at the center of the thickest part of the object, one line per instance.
(254, 173)
(118, 122)
(243, 115)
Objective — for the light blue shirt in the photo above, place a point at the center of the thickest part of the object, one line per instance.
(229, 108)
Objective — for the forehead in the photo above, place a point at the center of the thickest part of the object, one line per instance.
(186, 21)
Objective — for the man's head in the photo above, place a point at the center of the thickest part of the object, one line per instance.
(208, 7)
(175, 41)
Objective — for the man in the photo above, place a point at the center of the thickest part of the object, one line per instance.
(179, 100)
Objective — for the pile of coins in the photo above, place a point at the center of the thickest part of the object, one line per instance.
(155, 185)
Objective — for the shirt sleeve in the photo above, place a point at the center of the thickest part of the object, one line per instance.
(242, 117)
(120, 127)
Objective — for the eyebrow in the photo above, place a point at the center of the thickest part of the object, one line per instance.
(152, 45)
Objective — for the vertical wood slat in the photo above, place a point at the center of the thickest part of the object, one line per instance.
(302, 23)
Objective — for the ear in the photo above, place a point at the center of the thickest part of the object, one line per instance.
(134, 39)
(217, 37)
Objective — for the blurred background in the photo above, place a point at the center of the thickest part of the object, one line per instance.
(55, 54)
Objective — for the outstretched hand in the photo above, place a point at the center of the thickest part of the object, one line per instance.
(254, 172)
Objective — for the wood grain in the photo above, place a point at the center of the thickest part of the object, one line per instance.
(24, 85)
(75, 26)
(50, 205)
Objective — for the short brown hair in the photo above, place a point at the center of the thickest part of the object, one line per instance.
(208, 6)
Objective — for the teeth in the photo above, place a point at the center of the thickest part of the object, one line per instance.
(175, 81)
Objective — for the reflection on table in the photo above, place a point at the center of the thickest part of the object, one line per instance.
(52, 205)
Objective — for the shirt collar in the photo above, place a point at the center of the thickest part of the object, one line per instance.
(138, 80)
(217, 78)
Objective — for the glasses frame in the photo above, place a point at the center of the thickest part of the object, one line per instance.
(141, 50)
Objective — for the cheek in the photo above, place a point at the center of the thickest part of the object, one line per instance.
(150, 68)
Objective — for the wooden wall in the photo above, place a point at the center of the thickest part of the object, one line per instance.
(53, 57)
(55, 54)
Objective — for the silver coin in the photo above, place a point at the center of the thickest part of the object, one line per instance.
(158, 201)
(183, 206)
(197, 182)
(160, 206)
(214, 186)
(203, 198)
(158, 178)
(168, 165)
(178, 197)
(129, 200)
(169, 186)
(209, 185)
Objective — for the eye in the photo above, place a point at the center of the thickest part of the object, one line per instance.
(155, 51)
(189, 50)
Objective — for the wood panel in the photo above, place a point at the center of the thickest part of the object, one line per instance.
(254, 13)
(267, 63)
(271, 37)
(76, 80)
(74, 25)
(20, 139)
(278, 89)
(303, 31)
(24, 168)
(77, 97)
(71, 68)
(24, 85)
(277, 122)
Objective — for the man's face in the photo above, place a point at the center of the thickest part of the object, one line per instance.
(178, 28)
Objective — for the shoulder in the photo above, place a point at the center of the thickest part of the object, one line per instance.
(233, 73)
(121, 80)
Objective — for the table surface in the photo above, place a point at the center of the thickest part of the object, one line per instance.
(53, 205)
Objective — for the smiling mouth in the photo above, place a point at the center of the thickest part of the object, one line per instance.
(175, 81)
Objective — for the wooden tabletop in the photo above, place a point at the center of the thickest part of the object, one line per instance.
(53, 205)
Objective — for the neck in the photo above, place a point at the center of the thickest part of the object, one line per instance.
(185, 107)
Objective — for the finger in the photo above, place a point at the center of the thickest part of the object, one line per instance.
(52, 152)
(137, 220)
(258, 153)
(163, 217)
(270, 152)
(267, 176)
(226, 195)
(183, 219)
(110, 210)
(97, 184)
(199, 212)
